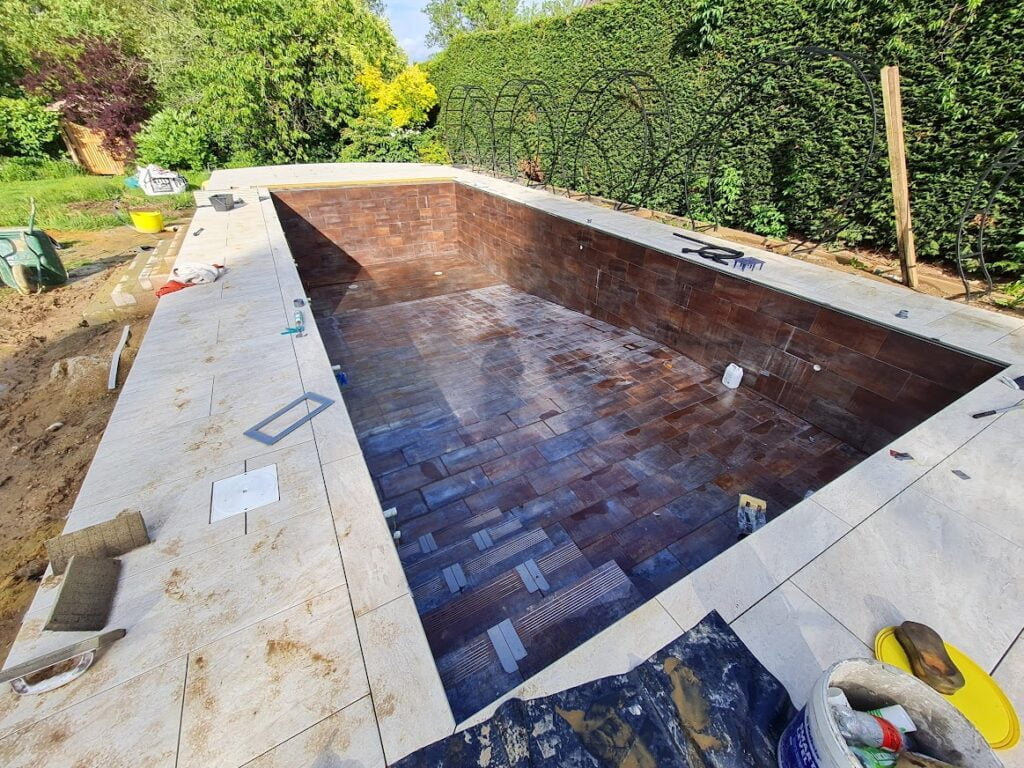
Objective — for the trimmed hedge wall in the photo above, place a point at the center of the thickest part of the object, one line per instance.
(794, 147)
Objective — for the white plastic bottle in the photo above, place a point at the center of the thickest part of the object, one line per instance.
(733, 376)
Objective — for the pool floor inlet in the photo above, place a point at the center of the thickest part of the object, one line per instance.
(516, 436)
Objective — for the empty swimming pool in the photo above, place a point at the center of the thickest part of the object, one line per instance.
(541, 403)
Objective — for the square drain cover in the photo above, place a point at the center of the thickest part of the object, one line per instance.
(244, 492)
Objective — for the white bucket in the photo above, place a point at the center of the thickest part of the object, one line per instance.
(733, 376)
(812, 739)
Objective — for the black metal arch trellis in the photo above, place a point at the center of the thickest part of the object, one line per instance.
(634, 104)
(525, 119)
(727, 107)
(467, 126)
(1004, 164)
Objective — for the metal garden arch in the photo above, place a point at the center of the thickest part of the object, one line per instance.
(988, 186)
(633, 104)
(736, 97)
(526, 130)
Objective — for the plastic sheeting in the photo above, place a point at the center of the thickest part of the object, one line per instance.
(703, 701)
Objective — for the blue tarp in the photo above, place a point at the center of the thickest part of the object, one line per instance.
(703, 701)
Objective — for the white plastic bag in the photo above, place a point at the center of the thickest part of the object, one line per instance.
(197, 273)
(155, 180)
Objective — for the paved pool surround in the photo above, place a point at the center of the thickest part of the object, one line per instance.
(293, 634)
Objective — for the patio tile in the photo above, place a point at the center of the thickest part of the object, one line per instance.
(411, 707)
(796, 639)
(349, 735)
(766, 559)
(252, 690)
(145, 711)
(367, 549)
(932, 552)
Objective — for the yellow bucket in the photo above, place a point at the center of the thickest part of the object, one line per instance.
(149, 222)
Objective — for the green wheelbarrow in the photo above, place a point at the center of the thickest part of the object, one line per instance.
(28, 258)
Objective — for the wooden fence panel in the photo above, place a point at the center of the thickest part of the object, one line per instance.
(86, 149)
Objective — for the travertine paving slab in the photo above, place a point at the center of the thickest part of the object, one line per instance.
(984, 496)
(346, 738)
(183, 450)
(300, 482)
(918, 559)
(259, 687)
(208, 358)
(132, 725)
(177, 516)
(149, 409)
(748, 571)
(267, 388)
(372, 566)
(183, 604)
(407, 693)
(796, 639)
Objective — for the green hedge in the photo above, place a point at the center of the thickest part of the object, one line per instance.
(794, 145)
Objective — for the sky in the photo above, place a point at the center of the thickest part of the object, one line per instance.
(409, 24)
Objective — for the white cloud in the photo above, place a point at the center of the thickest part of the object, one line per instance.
(410, 25)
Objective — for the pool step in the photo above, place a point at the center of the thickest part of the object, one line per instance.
(434, 590)
(474, 675)
(426, 565)
(414, 550)
(504, 596)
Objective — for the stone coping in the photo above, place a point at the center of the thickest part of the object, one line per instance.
(267, 638)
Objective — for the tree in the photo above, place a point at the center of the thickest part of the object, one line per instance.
(451, 18)
(390, 127)
(274, 80)
(405, 101)
(99, 85)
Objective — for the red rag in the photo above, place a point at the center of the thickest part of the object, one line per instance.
(172, 286)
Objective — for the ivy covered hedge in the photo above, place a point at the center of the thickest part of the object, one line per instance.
(791, 149)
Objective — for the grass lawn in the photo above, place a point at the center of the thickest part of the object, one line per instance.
(85, 202)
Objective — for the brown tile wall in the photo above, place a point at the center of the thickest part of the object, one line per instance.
(875, 384)
(335, 232)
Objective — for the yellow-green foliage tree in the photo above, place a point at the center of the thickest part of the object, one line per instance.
(391, 126)
(405, 100)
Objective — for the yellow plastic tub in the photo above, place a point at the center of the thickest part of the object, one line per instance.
(149, 222)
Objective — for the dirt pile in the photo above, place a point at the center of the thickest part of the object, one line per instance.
(54, 406)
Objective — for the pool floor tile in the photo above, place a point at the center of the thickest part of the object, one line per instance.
(624, 456)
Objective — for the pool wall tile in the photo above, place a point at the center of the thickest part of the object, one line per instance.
(873, 383)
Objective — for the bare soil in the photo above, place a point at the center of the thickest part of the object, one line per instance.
(42, 466)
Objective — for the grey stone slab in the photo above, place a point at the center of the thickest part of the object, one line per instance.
(796, 639)
(918, 559)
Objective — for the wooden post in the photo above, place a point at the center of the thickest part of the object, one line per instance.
(892, 104)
